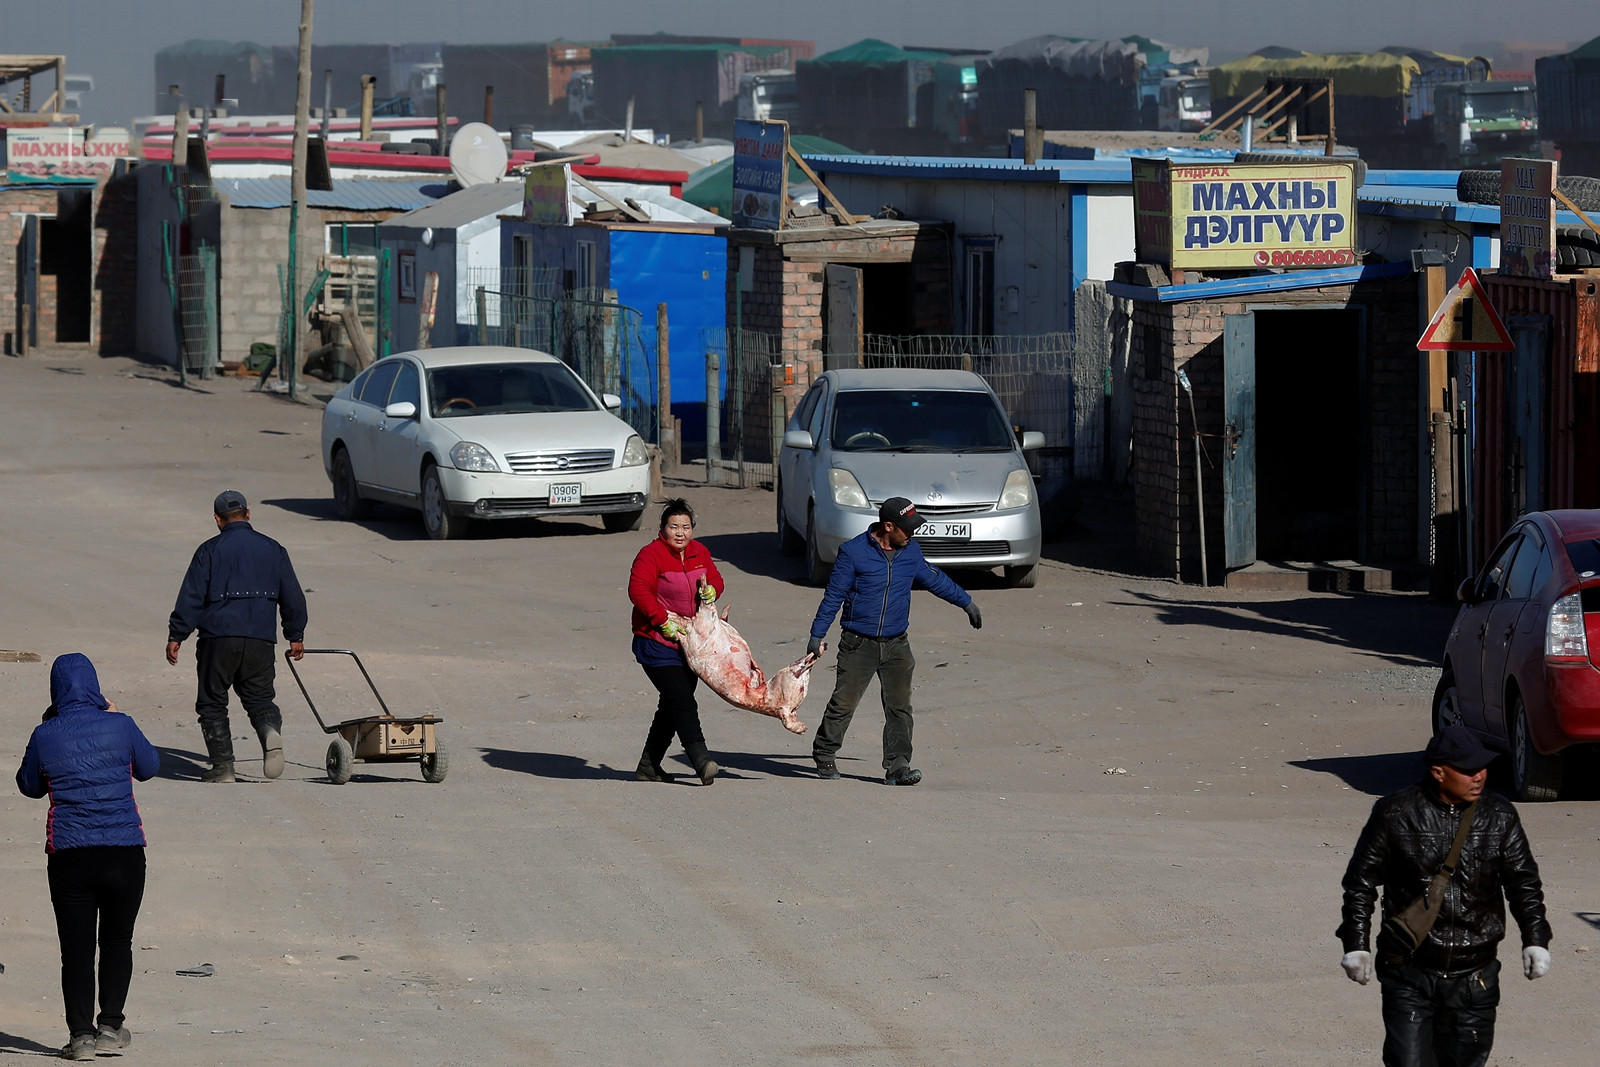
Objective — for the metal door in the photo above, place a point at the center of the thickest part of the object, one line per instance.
(845, 299)
(1239, 440)
(28, 285)
(1525, 409)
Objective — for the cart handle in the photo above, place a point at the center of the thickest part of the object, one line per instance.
(288, 657)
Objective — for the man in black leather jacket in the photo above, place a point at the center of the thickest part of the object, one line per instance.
(1439, 1001)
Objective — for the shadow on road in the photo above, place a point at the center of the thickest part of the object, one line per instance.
(181, 765)
(405, 524)
(10, 1044)
(1409, 631)
(1590, 917)
(1377, 775)
(552, 765)
(774, 765)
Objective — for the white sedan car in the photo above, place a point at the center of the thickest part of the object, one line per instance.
(482, 433)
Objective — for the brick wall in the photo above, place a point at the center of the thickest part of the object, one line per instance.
(1189, 335)
(15, 204)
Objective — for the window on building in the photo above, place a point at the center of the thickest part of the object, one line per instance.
(352, 239)
(980, 286)
(583, 273)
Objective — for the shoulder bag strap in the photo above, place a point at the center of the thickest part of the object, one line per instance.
(1454, 857)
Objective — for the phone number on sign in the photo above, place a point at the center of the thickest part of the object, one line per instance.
(1307, 257)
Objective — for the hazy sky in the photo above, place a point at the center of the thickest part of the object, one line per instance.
(115, 40)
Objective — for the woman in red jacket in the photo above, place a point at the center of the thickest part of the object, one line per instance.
(672, 573)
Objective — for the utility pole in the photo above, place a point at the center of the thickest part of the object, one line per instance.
(297, 187)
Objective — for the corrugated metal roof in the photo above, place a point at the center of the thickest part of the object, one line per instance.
(972, 168)
(463, 206)
(349, 194)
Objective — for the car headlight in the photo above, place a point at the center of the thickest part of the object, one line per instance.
(846, 490)
(468, 456)
(1018, 492)
(633, 453)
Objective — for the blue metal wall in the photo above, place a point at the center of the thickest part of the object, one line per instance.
(688, 273)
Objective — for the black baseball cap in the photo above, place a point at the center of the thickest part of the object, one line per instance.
(901, 512)
(229, 500)
(1458, 747)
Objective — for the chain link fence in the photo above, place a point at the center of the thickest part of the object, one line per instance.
(603, 341)
(744, 427)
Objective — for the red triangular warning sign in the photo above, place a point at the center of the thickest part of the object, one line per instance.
(1466, 321)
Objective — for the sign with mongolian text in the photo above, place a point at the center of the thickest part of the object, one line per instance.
(760, 173)
(545, 196)
(1237, 216)
(1466, 321)
(1527, 218)
(64, 153)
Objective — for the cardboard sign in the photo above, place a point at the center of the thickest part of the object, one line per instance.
(545, 196)
(1527, 218)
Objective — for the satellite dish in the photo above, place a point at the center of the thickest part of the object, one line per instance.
(477, 155)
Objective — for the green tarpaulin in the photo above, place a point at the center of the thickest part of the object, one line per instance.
(872, 52)
(711, 187)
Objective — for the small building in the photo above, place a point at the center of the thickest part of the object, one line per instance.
(211, 255)
(457, 239)
(637, 246)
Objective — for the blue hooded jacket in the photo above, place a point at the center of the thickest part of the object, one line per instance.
(86, 758)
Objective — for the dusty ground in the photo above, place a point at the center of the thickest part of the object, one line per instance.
(1021, 906)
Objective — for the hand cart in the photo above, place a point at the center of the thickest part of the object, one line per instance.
(376, 738)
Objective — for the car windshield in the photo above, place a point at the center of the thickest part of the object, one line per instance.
(919, 420)
(505, 389)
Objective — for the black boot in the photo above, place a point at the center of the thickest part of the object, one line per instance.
(219, 745)
(704, 765)
(650, 769)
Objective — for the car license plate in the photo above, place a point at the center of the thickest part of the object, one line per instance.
(563, 495)
(945, 531)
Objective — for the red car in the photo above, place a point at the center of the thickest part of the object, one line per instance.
(1522, 664)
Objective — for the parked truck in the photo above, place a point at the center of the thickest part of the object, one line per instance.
(1183, 102)
(1383, 102)
(768, 95)
(1477, 124)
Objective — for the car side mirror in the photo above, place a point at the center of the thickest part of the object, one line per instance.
(612, 401)
(1464, 591)
(799, 439)
(403, 409)
(1032, 440)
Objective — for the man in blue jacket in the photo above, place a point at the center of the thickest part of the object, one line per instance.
(238, 584)
(872, 580)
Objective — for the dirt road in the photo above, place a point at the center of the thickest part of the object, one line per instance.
(1021, 906)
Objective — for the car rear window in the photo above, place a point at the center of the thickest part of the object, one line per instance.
(1585, 557)
(505, 389)
(919, 420)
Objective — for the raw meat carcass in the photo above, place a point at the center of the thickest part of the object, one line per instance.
(721, 659)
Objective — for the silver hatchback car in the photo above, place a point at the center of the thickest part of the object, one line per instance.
(937, 437)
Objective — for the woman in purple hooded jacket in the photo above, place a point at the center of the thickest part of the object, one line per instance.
(85, 756)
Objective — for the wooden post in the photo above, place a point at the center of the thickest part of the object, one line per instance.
(627, 130)
(425, 309)
(369, 83)
(327, 104)
(180, 137)
(297, 192)
(1332, 138)
(1030, 127)
(488, 105)
(669, 446)
(444, 123)
(1438, 445)
(483, 315)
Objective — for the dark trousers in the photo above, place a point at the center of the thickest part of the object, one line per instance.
(860, 660)
(676, 711)
(96, 887)
(1431, 1021)
(247, 666)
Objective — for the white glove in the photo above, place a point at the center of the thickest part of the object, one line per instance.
(1358, 965)
(1535, 962)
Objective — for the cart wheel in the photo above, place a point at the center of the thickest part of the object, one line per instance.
(341, 761)
(434, 767)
